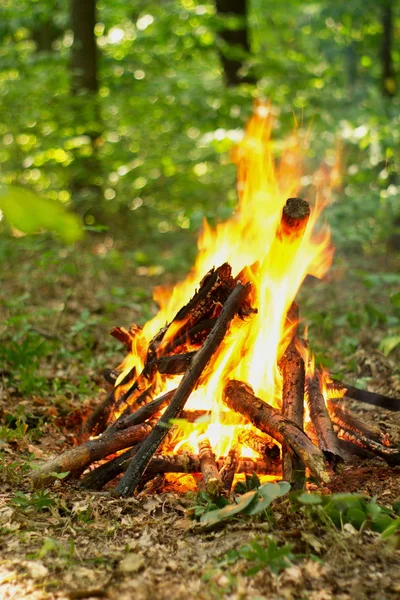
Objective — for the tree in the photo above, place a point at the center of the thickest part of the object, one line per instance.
(388, 72)
(235, 46)
(86, 184)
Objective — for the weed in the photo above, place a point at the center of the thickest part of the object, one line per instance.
(262, 554)
(40, 500)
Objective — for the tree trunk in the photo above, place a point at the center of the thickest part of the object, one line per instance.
(388, 73)
(235, 43)
(87, 179)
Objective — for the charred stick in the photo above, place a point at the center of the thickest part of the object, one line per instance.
(212, 480)
(97, 421)
(230, 467)
(390, 455)
(145, 412)
(101, 475)
(293, 376)
(262, 444)
(295, 215)
(352, 422)
(240, 398)
(189, 337)
(327, 438)
(110, 375)
(125, 336)
(76, 460)
(338, 387)
(175, 364)
(137, 466)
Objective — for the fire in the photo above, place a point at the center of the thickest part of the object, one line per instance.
(275, 261)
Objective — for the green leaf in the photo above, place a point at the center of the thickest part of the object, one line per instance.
(309, 498)
(233, 509)
(395, 300)
(266, 493)
(373, 510)
(391, 529)
(381, 523)
(60, 475)
(389, 343)
(29, 213)
(356, 517)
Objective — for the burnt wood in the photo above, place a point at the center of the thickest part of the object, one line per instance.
(209, 470)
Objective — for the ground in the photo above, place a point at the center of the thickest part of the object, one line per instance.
(64, 543)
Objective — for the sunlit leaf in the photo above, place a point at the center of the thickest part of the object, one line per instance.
(29, 213)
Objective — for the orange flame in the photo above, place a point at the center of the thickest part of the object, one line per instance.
(275, 264)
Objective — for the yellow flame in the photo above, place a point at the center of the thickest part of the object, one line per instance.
(276, 265)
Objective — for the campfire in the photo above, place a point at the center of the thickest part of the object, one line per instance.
(222, 381)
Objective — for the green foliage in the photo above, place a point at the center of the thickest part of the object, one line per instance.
(29, 213)
(252, 503)
(39, 500)
(358, 510)
(262, 554)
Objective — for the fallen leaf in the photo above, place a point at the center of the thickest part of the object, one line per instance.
(132, 563)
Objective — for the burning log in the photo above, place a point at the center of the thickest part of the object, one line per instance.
(295, 215)
(293, 375)
(338, 389)
(230, 467)
(211, 477)
(176, 463)
(390, 455)
(348, 420)
(76, 460)
(125, 336)
(240, 398)
(175, 364)
(135, 470)
(145, 412)
(261, 444)
(320, 418)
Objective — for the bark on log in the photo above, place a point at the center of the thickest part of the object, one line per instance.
(240, 398)
(293, 375)
(230, 467)
(172, 463)
(78, 459)
(209, 470)
(175, 364)
(327, 438)
(135, 470)
(390, 455)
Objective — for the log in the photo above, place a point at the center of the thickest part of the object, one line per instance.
(346, 390)
(97, 421)
(172, 463)
(295, 215)
(137, 466)
(261, 444)
(76, 460)
(144, 412)
(390, 455)
(175, 364)
(293, 376)
(230, 467)
(125, 336)
(209, 470)
(349, 420)
(327, 438)
(239, 397)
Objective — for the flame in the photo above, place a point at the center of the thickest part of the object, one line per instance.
(276, 262)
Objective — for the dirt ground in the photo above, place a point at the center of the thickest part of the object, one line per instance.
(94, 545)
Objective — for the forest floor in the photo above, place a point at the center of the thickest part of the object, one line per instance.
(58, 305)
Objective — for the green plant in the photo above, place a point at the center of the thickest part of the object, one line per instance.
(251, 503)
(262, 554)
(39, 500)
(358, 510)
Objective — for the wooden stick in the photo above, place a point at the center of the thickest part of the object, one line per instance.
(144, 412)
(175, 364)
(293, 375)
(349, 420)
(327, 438)
(175, 463)
(362, 395)
(78, 459)
(390, 455)
(212, 480)
(230, 467)
(262, 444)
(295, 215)
(135, 470)
(240, 398)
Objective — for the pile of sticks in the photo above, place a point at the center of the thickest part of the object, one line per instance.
(186, 346)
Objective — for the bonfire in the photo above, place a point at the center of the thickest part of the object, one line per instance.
(222, 380)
